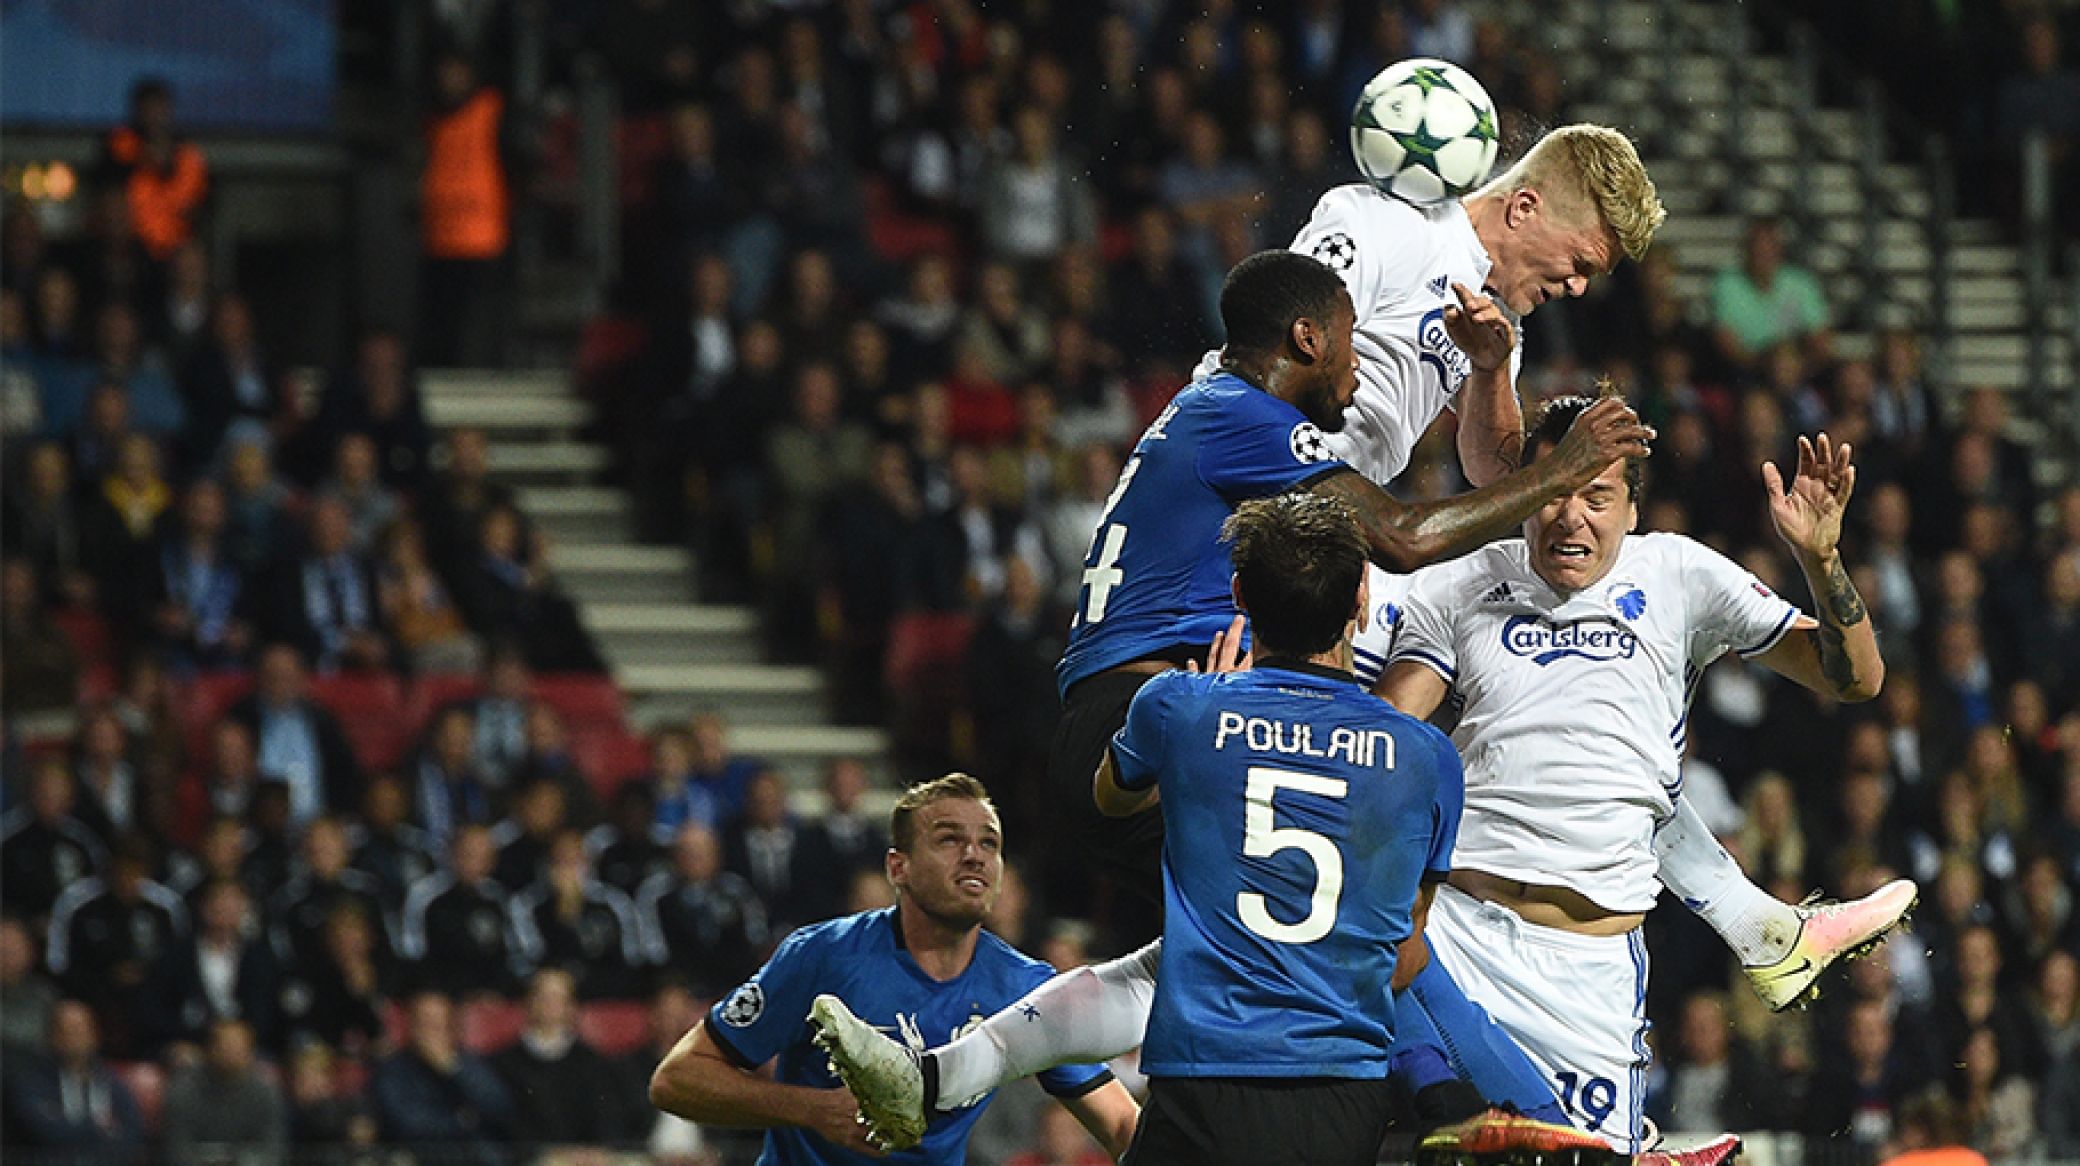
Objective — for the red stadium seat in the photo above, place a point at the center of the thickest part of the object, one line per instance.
(925, 672)
(147, 1083)
(88, 633)
(43, 737)
(589, 703)
(923, 646)
(371, 708)
(209, 697)
(490, 1025)
(614, 1027)
(609, 759)
(98, 682)
(435, 691)
(899, 237)
(640, 144)
(607, 345)
(1115, 242)
(397, 1027)
(350, 1076)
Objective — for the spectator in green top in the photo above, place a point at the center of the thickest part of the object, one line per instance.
(1766, 302)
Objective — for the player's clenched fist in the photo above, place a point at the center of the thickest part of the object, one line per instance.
(1480, 329)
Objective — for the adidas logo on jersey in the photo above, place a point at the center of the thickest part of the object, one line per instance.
(1500, 593)
(1439, 285)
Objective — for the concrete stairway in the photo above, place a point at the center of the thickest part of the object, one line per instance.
(1622, 56)
(670, 654)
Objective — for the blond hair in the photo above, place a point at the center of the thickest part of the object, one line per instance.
(1580, 168)
(902, 828)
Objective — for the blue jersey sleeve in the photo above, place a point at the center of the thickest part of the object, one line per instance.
(1451, 800)
(1139, 747)
(1073, 1080)
(770, 1011)
(1262, 448)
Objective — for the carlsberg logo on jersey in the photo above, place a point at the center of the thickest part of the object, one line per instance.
(1435, 349)
(1543, 643)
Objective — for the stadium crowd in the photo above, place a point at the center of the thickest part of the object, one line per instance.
(310, 766)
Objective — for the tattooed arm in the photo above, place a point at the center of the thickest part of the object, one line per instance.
(1837, 653)
(1403, 537)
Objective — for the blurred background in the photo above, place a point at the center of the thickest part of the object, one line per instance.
(499, 493)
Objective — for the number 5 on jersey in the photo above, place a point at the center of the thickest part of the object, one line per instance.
(1262, 837)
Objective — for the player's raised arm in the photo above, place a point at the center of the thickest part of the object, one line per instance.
(1412, 687)
(1491, 421)
(1838, 653)
(1404, 537)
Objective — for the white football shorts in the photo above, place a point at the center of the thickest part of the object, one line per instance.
(1576, 1004)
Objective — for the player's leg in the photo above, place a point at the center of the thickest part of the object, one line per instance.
(1574, 1004)
(1129, 849)
(1433, 1012)
(1087, 1014)
(1782, 948)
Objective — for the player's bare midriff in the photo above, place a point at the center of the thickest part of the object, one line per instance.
(1561, 908)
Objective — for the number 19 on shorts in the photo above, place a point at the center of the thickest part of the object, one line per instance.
(1590, 1101)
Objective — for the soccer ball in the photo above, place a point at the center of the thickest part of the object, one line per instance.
(1424, 131)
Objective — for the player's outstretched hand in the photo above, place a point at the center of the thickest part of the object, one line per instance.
(1808, 513)
(1480, 329)
(1226, 655)
(1605, 431)
(835, 1116)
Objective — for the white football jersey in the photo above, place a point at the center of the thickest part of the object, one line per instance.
(1375, 641)
(1577, 707)
(1399, 262)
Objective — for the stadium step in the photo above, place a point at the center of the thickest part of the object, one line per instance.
(746, 694)
(542, 462)
(580, 514)
(652, 711)
(802, 753)
(673, 633)
(447, 383)
(623, 573)
(670, 655)
(502, 415)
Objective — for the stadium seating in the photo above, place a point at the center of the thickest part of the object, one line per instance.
(207, 698)
(587, 703)
(371, 708)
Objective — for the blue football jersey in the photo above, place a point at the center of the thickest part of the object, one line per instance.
(861, 960)
(1156, 572)
(1301, 816)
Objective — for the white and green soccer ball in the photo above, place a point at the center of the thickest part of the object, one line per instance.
(1424, 131)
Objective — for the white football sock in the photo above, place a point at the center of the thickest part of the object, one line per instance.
(1760, 929)
(1093, 1013)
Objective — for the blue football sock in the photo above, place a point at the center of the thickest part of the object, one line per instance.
(1434, 1011)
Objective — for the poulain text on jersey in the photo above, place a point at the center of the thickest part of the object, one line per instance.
(1363, 747)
